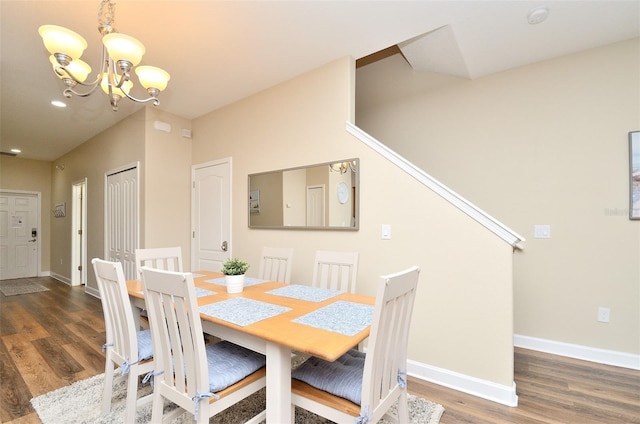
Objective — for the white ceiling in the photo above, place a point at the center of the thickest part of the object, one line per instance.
(218, 52)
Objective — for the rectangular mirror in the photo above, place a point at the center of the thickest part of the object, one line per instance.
(323, 196)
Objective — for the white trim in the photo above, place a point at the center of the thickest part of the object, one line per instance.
(505, 233)
(61, 278)
(505, 395)
(585, 353)
(92, 291)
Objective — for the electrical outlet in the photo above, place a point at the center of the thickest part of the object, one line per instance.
(604, 314)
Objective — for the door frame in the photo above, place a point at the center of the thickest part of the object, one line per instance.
(8, 192)
(79, 223)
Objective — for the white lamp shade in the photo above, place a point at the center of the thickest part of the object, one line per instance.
(152, 77)
(123, 47)
(62, 40)
(77, 67)
(126, 87)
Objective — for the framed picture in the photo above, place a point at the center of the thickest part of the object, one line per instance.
(634, 175)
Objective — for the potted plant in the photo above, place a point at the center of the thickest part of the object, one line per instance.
(234, 270)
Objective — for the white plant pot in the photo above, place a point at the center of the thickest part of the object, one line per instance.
(235, 283)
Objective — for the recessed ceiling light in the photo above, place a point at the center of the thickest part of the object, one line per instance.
(537, 15)
(16, 151)
(58, 103)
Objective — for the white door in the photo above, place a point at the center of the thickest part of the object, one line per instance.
(210, 215)
(19, 235)
(79, 234)
(121, 219)
(315, 206)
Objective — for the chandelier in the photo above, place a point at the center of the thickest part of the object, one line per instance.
(120, 53)
(343, 167)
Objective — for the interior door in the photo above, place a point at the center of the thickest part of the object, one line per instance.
(121, 218)
(315, 206)
(211, 215)
(19, 235)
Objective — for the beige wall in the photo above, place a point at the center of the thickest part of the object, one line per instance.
(452, 327)
(542, 144)
(35, 176)
(165, 218)
(164, 161)
(120, 145)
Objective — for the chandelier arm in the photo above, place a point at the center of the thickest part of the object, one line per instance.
(156, 101)
(69, 92)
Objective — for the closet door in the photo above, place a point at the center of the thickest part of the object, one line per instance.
(121, 219)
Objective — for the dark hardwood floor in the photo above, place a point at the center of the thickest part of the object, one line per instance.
(51, 339)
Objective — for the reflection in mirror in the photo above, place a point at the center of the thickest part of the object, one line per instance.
(321, 196)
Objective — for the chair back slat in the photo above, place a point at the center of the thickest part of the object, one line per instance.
(276, 264)
(387, 348)
(165, 258)
(335, 270)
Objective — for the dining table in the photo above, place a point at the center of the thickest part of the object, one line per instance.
(277, 319)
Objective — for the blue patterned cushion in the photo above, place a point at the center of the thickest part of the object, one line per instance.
(229, 363)
(145, 346)
(341, 378)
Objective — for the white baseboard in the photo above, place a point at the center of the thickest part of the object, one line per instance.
(586, 353)
(91, 291)
(505, 395)
(44, 274)
(60, 278)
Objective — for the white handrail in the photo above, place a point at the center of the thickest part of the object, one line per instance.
(495, 226)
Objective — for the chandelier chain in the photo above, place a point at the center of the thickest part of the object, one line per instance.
(106, 17)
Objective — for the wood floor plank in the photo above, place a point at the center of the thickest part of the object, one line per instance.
(14, 392)
(21, 321)
(58, 359)
(35, 372)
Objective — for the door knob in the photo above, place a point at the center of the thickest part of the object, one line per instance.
(224, 246)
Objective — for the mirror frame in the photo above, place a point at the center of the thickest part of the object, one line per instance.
(356, 199)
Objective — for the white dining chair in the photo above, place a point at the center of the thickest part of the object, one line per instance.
(276, 264)
(359, 386)
(203, 380)
(335, 270)
(167, 258)
(125, 346)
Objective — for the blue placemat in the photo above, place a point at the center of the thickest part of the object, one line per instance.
(242, 311)
(196, 275)
(312, 294)
(203, 292)
(348, 318)
(248, 281)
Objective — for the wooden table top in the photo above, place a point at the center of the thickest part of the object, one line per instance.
(279, 329)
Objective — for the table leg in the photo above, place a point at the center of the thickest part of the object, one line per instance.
(279, 409)
(136, 314)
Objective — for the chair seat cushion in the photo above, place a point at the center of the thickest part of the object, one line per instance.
(145, 345)
(342, 378)
(229, 363)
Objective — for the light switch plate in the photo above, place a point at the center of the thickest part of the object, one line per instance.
(386, 232)
(542, 231)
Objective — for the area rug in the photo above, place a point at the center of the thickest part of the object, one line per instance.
(15, 287)
(81, 403)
